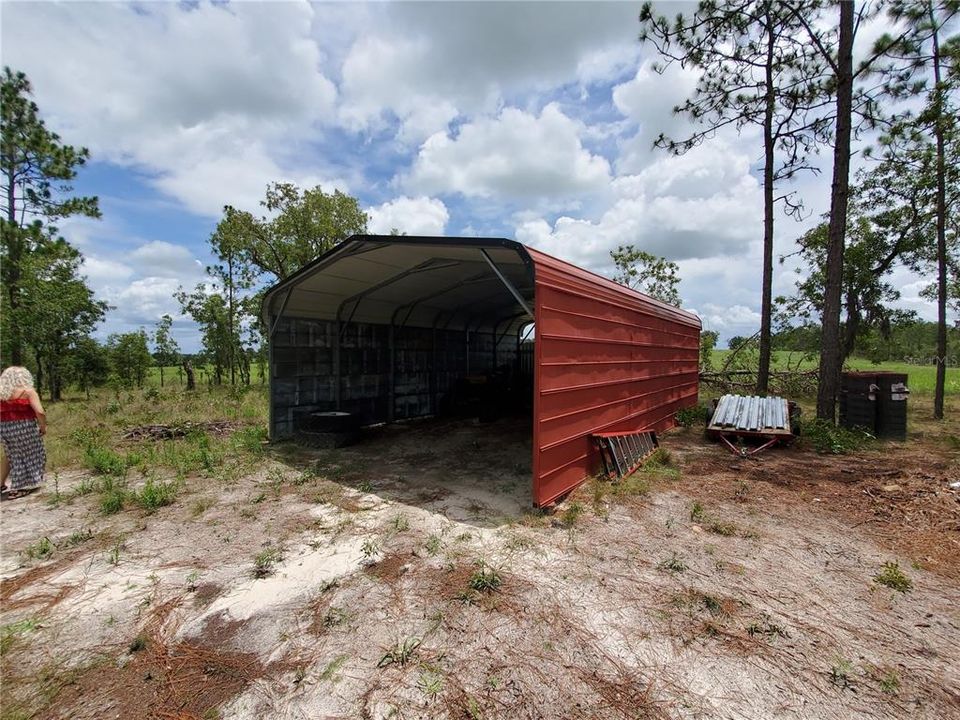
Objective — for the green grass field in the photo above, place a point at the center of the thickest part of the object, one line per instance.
(922, 378)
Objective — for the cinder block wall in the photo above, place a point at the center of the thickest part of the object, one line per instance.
(426, 364)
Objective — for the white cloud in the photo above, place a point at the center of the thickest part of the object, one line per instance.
(648, 100)
(218, 93)
(163, 259)
(413, 216)
(100, 271)
(704, 204)
(729, 319)
(517, 154)
(429, 63)
(140, 303)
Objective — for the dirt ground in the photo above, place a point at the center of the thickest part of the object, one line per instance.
(406, 577)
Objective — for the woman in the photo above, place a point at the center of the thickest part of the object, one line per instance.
(22, 422)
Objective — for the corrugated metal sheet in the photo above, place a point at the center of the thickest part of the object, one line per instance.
(751, 413)
(607, 359)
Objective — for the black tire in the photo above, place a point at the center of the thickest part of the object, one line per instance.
(795, 412)
(330, 422)
(711, 409)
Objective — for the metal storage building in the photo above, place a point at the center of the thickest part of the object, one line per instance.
(385, 326)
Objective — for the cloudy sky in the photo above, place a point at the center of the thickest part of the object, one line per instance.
(533, 121)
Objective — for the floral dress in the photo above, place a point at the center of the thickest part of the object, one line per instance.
(20, 436)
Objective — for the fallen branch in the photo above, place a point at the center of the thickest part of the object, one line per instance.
(168, 432)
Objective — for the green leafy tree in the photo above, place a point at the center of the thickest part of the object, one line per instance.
(130, 357)
(755, 70)
(36, 169)
(298, 226)
(868, 296)
(166, 352)
(235, 278)
(88, 364)
(654, 276)
(221, 345)
(708, 341)
(924, 62)
(58, 308)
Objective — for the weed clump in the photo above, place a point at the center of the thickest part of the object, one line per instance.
(434, 544)
(104, 461)
(840, 673)
(333, 667)
(830, 439)
(485, 579)
(10, 633)
(674, 563)
(76, 538)
(113, 496)
(688, 417)
(41, 549)
(483, 582)
(697, 511)
(893, 577)
(154, 495)
(250, 439)
(265, 560)
(401, 654)
(570, 515)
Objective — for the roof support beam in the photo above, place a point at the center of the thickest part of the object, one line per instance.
(430, 264)
(507, 284)
(276, 320)
(449, 288)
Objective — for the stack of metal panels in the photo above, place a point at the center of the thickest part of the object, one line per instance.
(751, 413)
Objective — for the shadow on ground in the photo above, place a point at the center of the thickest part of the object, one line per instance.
(470, 472)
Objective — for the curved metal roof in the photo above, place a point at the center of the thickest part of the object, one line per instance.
(430, 281)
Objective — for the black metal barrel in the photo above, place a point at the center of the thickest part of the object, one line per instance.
(858, 401)
(875, 402)
(892, 405)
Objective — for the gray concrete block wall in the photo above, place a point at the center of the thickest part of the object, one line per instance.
(426, 364)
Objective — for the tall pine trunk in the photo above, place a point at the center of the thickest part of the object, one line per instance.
(941, 226)
(830, 363)
(766, 304)
(14, 258)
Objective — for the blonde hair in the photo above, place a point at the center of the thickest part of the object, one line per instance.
(12, 379)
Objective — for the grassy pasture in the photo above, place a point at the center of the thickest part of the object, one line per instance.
(922, 378)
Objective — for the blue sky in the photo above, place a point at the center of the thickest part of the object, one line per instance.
(527, 120)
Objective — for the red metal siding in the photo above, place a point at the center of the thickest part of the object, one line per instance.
(606, 359)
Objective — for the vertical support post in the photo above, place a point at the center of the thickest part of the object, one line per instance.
(391, 376)
(271, 332)
(518, 363)
(337, 382)
(433, 372)
(271, 421)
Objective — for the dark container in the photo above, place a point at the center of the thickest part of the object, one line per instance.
(858, 401)
(892, 406)
(875, 402)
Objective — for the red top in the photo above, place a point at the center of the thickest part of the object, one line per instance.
(16, 409)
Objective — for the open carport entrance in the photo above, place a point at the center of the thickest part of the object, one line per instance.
(395, 328)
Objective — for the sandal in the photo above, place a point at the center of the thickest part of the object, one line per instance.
(14, 494)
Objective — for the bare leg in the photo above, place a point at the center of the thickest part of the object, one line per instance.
(4, 470)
